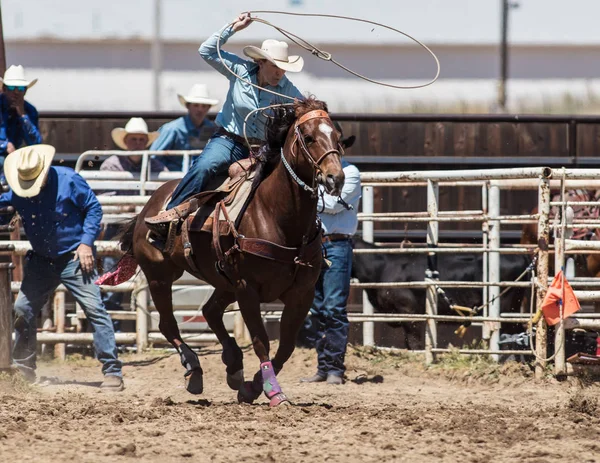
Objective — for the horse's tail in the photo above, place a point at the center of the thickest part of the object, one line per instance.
(125, 236)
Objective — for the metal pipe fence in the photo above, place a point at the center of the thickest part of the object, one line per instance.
(490, 182)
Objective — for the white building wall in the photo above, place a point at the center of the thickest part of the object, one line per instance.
(96, 56)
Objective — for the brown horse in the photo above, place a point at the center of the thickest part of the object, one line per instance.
(280, 221)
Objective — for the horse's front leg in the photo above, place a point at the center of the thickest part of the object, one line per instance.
(294, 313)
(232, 356)
(265, 379)
(161, 295)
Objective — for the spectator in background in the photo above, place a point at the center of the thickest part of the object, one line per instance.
(61, 216)
(19, 118)
(189, 132)
(328, 324)
(133, 137)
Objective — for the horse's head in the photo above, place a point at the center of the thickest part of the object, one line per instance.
(312, 146)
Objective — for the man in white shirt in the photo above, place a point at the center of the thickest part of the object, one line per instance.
(328, 321)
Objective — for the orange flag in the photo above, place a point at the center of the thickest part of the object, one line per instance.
(551, 307)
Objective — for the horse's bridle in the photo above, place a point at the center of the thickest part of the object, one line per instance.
(299, 139)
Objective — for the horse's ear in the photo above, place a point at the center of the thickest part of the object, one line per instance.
(348, 142)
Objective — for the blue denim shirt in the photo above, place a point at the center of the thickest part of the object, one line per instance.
(65, 214)
(182, 134)
(243, 97)
(20, 131)
(335, 217)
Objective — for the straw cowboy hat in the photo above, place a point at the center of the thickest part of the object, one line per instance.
(26, 169)
(277, 53)
(198, 94)
(15, 75)
(135, 125)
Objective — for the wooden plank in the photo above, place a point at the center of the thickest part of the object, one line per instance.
(435, 140)
(6, 308)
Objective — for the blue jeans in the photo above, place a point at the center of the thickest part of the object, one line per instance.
(329, 320)
(219, 154)
(41, 277)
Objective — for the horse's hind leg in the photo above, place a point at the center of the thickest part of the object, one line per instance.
(232, 355)
(160, 290)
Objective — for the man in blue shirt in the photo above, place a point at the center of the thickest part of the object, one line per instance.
(189, 132)
(328, 321)
(18, 118)
(61, 216)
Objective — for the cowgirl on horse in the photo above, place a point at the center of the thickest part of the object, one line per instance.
(267, 70)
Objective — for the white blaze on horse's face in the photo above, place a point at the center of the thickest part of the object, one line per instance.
(325, 128)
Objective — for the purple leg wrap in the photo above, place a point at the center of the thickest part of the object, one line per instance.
(270, 384)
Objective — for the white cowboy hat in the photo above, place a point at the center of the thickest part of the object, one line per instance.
(15, 75)
(134, 125)
(198, 94)
(277, 53)
(26, 169)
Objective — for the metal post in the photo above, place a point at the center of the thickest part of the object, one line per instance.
(503, 57)
(541, 341)
(140, 293)
(60, 350)
(431, 274)
(566, 218)
(156, 56)
(368, 235)
(485, 228)
(6, 310)
(494, 267)
(2, 47)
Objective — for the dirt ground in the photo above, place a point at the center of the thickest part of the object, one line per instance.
(390, 409)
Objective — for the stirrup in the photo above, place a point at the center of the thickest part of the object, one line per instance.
(164, 241)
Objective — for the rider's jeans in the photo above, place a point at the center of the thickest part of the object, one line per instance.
(220, 152)
(41, 277)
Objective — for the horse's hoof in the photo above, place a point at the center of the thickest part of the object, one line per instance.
(246, 393)
(236, 380)
(194, 382)
(278, 399)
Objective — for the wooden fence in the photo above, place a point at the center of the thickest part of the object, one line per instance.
(400, 143)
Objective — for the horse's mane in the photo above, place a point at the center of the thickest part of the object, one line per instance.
(276, 131)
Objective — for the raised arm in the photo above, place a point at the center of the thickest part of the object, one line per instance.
(208, 50)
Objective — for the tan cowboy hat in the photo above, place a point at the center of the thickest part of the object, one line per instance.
(134, 125)
(277, 53)
(15, 75)
(26, 169)
(198, 94)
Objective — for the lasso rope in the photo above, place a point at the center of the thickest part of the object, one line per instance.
(323, 54)
(329, 57)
